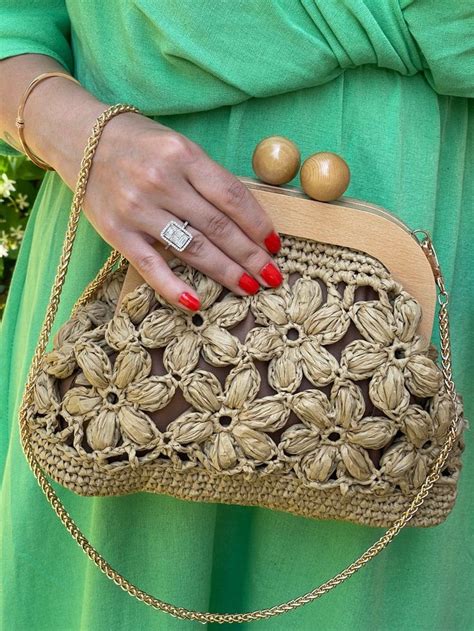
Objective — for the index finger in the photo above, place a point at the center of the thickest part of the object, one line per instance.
(233, 198)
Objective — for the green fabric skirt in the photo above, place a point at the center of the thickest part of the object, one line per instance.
(410, 150)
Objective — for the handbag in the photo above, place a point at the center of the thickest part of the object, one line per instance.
(322, 397)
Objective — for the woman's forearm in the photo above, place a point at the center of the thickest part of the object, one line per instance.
(58, 113)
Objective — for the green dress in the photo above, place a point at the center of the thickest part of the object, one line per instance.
(386, 84)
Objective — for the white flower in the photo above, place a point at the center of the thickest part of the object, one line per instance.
(21, 201)
(17, 232)
(6, 186)
(3, 250)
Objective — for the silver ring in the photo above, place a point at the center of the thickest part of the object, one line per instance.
(176, 236)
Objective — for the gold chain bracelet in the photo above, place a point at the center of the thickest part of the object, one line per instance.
(20, 121)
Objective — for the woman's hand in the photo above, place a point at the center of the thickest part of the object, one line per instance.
(144, 175)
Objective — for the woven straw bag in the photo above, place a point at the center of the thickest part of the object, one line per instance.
(321, 397)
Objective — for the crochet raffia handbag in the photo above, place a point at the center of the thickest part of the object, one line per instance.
(321, 397)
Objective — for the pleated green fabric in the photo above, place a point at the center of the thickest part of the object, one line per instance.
(387, 85)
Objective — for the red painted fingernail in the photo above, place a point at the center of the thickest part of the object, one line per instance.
(248, 283)
(273, 242)
(271, 275)
(189, 301)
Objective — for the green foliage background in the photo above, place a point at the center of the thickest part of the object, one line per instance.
(20, 180)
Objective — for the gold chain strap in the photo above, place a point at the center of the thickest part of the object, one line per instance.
(66, 519)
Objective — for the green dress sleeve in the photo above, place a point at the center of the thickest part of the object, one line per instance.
(444, 33)
(34, 26)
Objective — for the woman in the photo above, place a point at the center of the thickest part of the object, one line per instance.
(387, 86)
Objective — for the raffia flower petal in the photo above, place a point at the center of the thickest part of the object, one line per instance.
(312, 407)
(221, 452)
(97, 336)
(420, 471)
(220, 347)
(398, 460)
(348, 403)
(374, 321)
(306, 298)
(207, 289)
(111, 291)
(139, 302)
(97, 312)
(131, 364)
(298, 440)
(120, 331)
(94, 363)
(254, 444)
(102, 431)
(229, 311)
(319, 366)
(422, 376)
(61, 363)
(360, 359)
(268, 414)
(269, 308)
(387, 390)
(357, 462)
(80, 401)
(151, 394)
(160, 327)
(264, 343)
(71, 331)
(319, 466)
(203, 391)
(45, 393)
(182, 355)
(417, 425)
(191, 427)
(330, 323)
(442, 412)
(241, 385)
(374, 432)
(285, 372)
(407, 313)
(136, 425)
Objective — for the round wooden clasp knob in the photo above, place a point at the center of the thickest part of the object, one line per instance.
(325, 176)
(276, 160)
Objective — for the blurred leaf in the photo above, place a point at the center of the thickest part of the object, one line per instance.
(10, 216)
(20, 168)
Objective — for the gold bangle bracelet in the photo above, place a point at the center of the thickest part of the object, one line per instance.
(20, 121)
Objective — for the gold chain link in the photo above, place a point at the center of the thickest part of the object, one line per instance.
(66, 519)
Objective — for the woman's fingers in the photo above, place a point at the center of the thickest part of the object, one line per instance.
(205, 256)
(218, 228)
(156, 272)
(227, 193)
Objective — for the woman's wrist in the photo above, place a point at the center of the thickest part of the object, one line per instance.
(59, 116)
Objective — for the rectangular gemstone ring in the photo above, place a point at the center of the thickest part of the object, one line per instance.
(176, 236)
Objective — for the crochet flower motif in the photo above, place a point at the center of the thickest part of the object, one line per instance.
(408, 460)
(228, 423)
(89, 321)
(391, 354)
(185, 334)
(333, 436)
(296, 328)
(114, 405)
